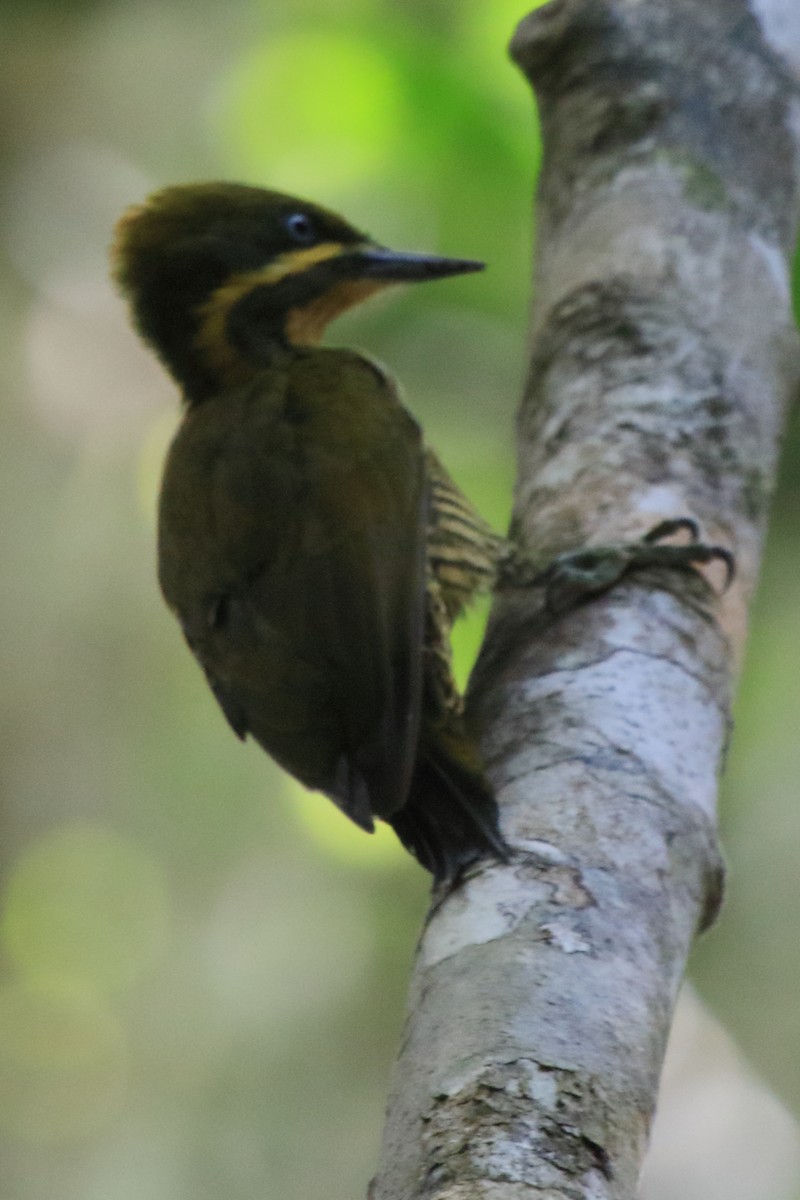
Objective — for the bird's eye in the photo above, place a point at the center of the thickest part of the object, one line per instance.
(300, 227)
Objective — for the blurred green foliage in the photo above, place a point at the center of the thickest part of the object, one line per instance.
(204, 969)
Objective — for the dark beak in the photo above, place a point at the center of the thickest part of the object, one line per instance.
(397, 267)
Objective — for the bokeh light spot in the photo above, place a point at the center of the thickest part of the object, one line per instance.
(87, 907)
(310, 111)
(62, 1064)
(285, 944)
(90, 379)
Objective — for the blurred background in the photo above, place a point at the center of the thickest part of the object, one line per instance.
(203, 968)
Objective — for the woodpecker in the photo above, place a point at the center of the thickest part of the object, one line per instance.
(313, 549)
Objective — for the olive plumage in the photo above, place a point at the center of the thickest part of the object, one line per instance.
(313, 550)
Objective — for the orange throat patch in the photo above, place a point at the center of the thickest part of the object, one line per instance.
(305, 326)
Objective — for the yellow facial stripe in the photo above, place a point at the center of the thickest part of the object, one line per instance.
(294, 261)
(212, 338)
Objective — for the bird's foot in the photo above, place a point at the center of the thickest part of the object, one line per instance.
(577, 576)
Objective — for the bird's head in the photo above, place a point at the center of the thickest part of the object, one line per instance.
(220, 276)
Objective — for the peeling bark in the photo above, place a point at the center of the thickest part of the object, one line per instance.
(663, 359)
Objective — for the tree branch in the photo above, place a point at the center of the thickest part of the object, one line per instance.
(663, 359)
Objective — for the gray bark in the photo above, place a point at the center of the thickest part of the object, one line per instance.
(663, 359)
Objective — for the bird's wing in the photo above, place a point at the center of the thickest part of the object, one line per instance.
(362, 572)
(314, 643)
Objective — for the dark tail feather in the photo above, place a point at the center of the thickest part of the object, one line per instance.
(450, 817)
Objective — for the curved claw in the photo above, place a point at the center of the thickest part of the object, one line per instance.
(673, 525)
(725, 556)
(695, 550)
(577, 576)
